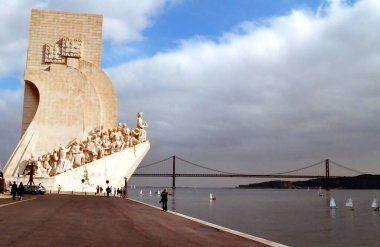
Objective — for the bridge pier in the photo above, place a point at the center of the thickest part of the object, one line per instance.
(173, 174)
(327, 177)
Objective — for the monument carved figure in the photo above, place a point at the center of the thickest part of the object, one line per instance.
(70, 100)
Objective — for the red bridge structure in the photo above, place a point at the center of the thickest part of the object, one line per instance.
(169, 168)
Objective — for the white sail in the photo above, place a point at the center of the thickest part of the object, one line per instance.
(332, 203)
(210, 196)
(150, 192)
(320, 191)
(349, 203)
(375, 203)
(141, 192)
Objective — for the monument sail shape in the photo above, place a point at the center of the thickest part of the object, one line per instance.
(70, 134)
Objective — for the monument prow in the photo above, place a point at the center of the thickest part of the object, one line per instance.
(69, 97)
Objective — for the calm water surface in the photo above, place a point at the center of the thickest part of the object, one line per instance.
(291, 217)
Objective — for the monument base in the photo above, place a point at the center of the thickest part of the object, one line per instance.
(112, 168)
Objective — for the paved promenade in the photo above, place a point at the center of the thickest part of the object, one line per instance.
(69, 220)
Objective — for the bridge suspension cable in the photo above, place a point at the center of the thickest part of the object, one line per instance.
(204, 167)
(299, 169)
(236, 173)
(347, 168)
(154, 163)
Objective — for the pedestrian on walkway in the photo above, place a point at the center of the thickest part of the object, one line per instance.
(108, 190)
(97, 189)
(59, 188)
(14, 190)
(20, 191)
(164, 199)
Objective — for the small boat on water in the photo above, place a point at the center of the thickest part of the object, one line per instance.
(332, 203)
(375, 205)
(158, 192)
(350, 204)
(141, 192)
(150, 193)
(308, 189)
(320, 191)
(212, 198)
(134, 186)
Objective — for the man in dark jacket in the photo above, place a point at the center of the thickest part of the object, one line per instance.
(14, 190)
(20, 191)
(164, 199)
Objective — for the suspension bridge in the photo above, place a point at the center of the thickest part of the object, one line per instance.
(169, 168)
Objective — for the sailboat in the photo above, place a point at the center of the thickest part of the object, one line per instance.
(332, 203)
(375, 205)
(308, 189)
(141, 192)
(320, 191)
(350, 204)
(212, 198)
(134, 186)
(150, 193)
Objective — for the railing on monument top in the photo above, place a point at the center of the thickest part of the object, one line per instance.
(220, 173)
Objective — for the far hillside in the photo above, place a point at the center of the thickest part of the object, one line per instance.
(358, 182)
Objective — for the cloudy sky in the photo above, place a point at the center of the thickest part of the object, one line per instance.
(251, 86)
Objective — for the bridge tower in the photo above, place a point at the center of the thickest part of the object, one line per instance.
(173, 174)
(327, 177)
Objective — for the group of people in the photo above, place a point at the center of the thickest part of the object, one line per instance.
(99, 143)
(17, 190)
(116, 192)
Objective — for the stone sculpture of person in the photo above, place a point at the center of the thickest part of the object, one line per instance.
(45, 164)
(139, 133)
(106, 143)
(78, 158)
(63, 163)
(40, 171)
(90, 150)
(116, 141)
(54, 158)
(30, 164)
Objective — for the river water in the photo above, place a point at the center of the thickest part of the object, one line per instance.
(291, 217)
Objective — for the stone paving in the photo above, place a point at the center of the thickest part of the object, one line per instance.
(72, 220)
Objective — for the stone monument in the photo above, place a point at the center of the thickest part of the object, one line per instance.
(70, 136)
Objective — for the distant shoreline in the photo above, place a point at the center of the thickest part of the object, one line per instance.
(363, 182)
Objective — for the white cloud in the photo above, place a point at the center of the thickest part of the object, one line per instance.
(299, 88)
(124, 21)
(11, 114)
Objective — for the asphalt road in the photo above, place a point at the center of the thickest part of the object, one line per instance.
(69, 220)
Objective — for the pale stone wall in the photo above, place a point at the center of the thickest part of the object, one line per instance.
(66, 96)
(66, 92)
(31, 100)
(48, 27)
(112, 168)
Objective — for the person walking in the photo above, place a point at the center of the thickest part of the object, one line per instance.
(20, 191)
(14, 190)
(108, 190)
(164, 199)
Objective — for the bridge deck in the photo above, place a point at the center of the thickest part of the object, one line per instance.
(69, 220)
